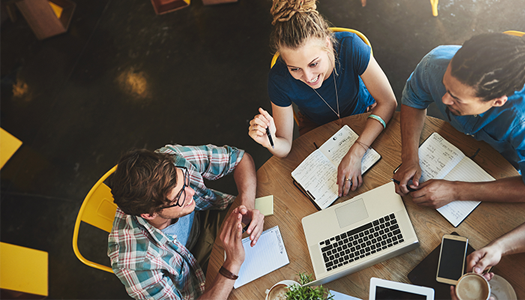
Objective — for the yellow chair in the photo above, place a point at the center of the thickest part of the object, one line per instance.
(514, 32)
(434, 4)
(98, 209)
(334, 29)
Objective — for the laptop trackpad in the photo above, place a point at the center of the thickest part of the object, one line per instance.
(351, 213)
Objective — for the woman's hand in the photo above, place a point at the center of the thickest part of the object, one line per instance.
(349, 171)
(258, 125)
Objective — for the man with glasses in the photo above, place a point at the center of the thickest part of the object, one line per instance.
(154, 245)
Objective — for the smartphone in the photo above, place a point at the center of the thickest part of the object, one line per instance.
(451, 261)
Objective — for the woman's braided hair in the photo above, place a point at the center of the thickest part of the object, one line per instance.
(295, 21)
(493, 64)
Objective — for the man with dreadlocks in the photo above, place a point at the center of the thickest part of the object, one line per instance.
(480, 88)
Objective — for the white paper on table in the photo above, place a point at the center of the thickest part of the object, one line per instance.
(269, 254)
(341, 296)
(467, 170)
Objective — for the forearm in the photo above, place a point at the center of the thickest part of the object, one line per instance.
(509, 189)
(385, 110)
(222, 286)
(281, 148)
(512, 242)
(412, 121)
(246, 180)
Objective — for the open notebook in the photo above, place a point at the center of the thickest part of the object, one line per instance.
(439, 159)
(317, 174)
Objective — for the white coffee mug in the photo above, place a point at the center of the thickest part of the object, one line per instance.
(279, 289)
(472, 286)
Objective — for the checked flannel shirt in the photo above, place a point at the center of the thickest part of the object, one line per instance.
(152, 265)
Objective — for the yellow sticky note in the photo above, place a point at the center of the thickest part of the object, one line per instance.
(265, 205)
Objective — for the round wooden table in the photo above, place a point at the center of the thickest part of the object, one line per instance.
(487, 222)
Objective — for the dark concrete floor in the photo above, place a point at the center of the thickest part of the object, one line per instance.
(123, 77)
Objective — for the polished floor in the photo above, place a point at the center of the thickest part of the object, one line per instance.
(123, 77)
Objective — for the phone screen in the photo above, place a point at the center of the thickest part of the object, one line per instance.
(452, 258)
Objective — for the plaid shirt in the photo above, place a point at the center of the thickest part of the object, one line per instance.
(152, 265)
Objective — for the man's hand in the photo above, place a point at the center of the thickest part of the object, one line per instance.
(435, 193)
(255, 219)
(409, 171)
(231, 238)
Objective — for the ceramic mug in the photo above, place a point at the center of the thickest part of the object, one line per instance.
(278, 290)
(472, 286)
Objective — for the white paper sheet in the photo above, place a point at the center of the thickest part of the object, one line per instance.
(269, 254)
(439, 159)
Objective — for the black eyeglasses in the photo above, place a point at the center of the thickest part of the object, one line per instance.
(182, 193)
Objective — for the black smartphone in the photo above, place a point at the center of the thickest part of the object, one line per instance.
(451, 261)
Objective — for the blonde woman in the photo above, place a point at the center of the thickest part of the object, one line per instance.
(328, 76)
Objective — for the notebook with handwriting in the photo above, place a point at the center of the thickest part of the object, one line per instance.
(440, 159)
(317, 174)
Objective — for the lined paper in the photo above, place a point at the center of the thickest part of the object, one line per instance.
(269, 254)
(317, 174)
(467, 170)
(439, 159)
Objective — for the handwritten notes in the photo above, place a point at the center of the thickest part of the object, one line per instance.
(317, 174)
(439, 159)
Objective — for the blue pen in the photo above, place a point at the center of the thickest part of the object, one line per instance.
(269, 136)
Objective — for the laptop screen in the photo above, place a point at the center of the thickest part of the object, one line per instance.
(383, 293)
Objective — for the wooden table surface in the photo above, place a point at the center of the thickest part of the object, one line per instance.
(487, 222)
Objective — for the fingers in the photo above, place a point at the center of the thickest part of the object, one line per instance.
(256, 224)
(453, 293)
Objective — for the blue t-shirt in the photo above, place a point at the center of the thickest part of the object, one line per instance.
(353, 56)
(501, 127)
(181, 229)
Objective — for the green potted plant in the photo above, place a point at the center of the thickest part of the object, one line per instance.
(302, 292)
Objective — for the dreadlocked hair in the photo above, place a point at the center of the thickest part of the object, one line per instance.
(493, 64)
(295, 21)
(142, 181)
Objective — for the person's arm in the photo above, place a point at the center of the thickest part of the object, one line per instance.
(412, 121)
(246, 180)
(377, 84)
(281, 129)
(437, 193)
(478, 261)
(231, 238)
(511, 243)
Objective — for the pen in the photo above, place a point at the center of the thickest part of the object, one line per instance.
(269, 136)
(408, 186)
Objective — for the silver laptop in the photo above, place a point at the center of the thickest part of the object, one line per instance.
(358, 233)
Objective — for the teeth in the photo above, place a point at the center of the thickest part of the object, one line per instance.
(315, 79)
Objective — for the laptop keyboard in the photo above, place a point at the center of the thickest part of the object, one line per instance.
(360, 242)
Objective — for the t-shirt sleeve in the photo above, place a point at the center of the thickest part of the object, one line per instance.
(357, 52)
(417, 93)
(279, 85)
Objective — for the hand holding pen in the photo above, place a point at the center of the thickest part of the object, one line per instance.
(261, 127)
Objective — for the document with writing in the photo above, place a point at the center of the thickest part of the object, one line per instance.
(269, 254)
(317, 174)
(439, 159)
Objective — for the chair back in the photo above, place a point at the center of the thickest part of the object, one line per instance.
(514, 32)
(334, 29)
(98, 209)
